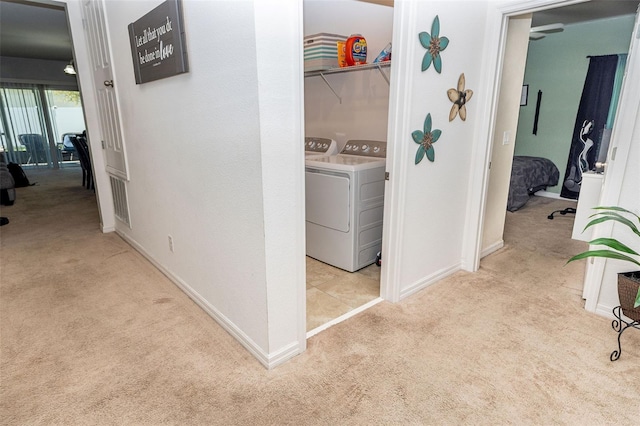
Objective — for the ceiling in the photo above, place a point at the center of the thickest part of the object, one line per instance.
(30, 30)
(35, 30)
(582, 12)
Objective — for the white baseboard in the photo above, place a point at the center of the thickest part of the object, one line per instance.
(604, 311)
(548, 194)
(107, 229)
(269, 360)
(427, 281)
(492, 248)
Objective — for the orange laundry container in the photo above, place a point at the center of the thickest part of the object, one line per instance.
(356, 50)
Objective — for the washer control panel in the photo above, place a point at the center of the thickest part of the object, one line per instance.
(318, 145)
(365, 148)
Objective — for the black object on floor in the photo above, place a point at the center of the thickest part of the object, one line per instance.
(19, 176)
(3, 221)
(7, 197)
(562, 212)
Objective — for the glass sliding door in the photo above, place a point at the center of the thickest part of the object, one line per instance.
(67, 118)
(34, 122)
(25, 136)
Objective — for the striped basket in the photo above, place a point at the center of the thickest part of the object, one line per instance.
(628, 284)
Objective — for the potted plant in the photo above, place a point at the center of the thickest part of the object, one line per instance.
(628, 282)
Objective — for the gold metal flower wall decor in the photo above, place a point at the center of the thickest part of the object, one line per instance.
(459, 97)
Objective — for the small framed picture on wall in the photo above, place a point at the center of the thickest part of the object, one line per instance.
(524, 95)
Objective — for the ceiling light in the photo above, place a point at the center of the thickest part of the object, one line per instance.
(548, 28)
(69, 69)
(536, 33)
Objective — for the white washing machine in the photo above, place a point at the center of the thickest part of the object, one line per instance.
(314, 147)
(344, 205)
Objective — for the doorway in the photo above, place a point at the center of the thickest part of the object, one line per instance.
(44, 96)
(345, 106)
(40, 101)
(558, 97)
(614, 187)
(35, 121)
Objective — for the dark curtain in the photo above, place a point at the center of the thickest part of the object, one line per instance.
(590, 122)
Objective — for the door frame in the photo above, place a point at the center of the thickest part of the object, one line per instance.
(81, 57)
(81, 54)
(497, 22)
(623, 132)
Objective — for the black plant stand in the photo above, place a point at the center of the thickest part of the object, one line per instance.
(619, 328)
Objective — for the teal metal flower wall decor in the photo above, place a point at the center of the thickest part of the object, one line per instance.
(459, 97)
(434, 45)
(426, 139)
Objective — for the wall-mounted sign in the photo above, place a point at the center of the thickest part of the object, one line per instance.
(158, 43)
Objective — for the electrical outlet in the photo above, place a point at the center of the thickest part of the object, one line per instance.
(170, 243)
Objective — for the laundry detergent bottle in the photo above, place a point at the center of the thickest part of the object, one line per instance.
(356, 50)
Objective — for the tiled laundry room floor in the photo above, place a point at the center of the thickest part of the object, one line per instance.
(332, 292)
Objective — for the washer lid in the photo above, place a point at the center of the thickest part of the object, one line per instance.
(345, 162)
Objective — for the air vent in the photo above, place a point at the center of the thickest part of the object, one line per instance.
(120, 203)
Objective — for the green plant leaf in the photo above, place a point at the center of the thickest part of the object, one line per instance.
(612, 213)
(615, 217)
(614, 244)
(605, 254)
(617, 209)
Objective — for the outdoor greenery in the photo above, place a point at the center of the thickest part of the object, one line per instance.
(65, 98)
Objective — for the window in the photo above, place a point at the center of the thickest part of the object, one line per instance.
(34, 120)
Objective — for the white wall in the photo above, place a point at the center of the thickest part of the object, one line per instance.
(279, 42)
(196, 146)
(426, 204)
(365, 94)
(506, 121)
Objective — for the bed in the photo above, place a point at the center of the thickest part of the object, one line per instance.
(529, 175)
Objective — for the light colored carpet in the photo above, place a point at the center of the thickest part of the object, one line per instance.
(91, 333)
